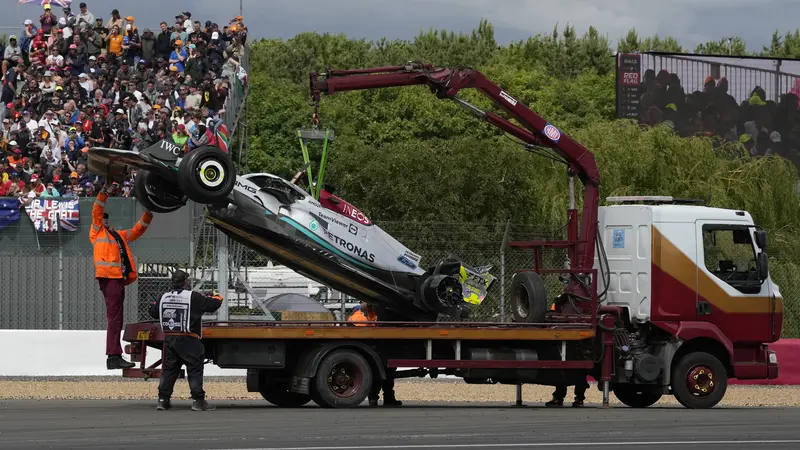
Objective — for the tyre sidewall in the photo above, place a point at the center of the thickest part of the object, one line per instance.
(192, 187)
(627, 395)
(536, 297)
(322, 394)
(681, 370)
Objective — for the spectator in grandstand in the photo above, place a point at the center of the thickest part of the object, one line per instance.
(79, 81)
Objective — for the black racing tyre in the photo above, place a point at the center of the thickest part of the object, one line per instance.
(699, 380)
(156, 194)
(207, 175)
(529, 297)
(637, 396)
(343, 380)
(279, 395)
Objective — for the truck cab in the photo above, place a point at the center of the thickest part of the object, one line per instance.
(697, 273)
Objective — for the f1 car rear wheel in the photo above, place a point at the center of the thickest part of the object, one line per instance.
(343, 380)
(530, 298)
(156, 194)
(207, 175)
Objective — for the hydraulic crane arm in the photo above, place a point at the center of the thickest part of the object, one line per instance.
(446, 83)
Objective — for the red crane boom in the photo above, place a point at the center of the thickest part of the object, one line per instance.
(446, 83)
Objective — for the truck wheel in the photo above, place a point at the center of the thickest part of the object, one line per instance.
(637, 396)
(206, 175)
(699, 380)
(343, 380)
(280, 395)
(530, 297)
(156, 194)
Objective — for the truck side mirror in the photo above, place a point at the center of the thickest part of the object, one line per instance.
(763, 266)
(761, 239)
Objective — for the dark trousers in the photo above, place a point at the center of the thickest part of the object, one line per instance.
(387, 385)
(178, 351)
(114, 294)
(580, 391)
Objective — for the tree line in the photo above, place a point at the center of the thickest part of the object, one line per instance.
(403, 155)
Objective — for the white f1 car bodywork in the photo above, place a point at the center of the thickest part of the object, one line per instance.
(328, 240)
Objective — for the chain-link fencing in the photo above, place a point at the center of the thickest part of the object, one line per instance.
(49, 277)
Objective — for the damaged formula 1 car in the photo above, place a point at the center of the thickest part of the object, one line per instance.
(325, 239)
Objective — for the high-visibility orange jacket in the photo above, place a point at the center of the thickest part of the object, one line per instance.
(107, 258)
(359, 316)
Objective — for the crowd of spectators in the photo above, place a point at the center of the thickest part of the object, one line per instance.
(764, 127)
(81, 80)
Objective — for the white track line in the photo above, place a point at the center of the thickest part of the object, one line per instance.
(536, 444)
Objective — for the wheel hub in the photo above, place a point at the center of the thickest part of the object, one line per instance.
(211, 173)
(344, 380)
(701, 381)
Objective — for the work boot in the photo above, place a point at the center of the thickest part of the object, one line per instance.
(577, 404)
(392, 402)
(116, 362)
(202, 405)
(373, 402)
(164, 404)
(555, 402)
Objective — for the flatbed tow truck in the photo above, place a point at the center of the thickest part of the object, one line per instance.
(676, 300)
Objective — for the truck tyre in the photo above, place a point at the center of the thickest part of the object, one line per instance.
(156, 194)
(279, 395)
(530, 297)
(637, 396)
(699, 380)
(207, 175)
(343, 380)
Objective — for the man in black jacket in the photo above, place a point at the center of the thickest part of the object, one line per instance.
(180, 313)
(164, 42)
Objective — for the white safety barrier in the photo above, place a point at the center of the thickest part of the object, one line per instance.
(47, 353)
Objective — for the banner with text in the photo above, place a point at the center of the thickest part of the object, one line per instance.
(49, 216)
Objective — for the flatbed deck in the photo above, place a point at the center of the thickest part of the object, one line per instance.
(150, 331)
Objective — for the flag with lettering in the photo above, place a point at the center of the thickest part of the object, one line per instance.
(49, 216)
(9, 212)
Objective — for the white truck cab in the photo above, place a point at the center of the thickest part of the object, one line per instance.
(671, 261)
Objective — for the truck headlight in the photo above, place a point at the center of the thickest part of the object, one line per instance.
(773, 357)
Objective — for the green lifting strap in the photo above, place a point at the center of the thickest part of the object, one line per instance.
(315, 135)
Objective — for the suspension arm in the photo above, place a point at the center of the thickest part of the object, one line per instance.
(446, 83)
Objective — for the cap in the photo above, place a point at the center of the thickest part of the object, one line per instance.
(13, 143)
(28, 22)
(129, 18)
(75, 175)
(47, 6)
(83, 75)
(178, 42)
(82, 5)
(12, 38)
(92, 58)
(73, 47)
(105, 215)
(34, 177)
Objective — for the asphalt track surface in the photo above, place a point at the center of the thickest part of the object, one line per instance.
(90, 424)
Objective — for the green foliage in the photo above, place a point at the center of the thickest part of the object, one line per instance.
(403, 156)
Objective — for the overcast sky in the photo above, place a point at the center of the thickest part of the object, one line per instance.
(691, 21)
